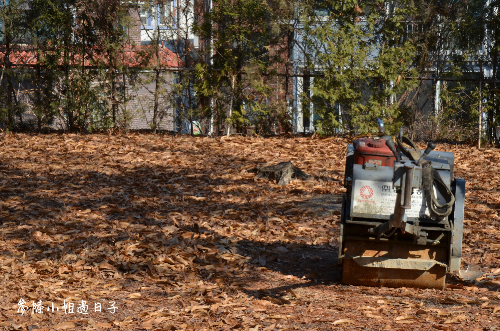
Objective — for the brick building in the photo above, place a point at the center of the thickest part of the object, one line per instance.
(166, 23)
(169, 23)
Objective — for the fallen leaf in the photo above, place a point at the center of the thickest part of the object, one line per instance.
(444, 313)
(278, 301)
(311, 276)
(106, 266)
(343, 321)
(135, 296)
(453, 286)
(64, 326)
(263, 302)
(494, 247)
(456, 319)
(295, 295)
(366, 308)
(405, 317)
(371, 315)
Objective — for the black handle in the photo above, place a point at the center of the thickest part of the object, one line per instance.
(408, 188)
(390, 144)
(430, 148)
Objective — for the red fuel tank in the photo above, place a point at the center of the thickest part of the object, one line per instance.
(373, 150)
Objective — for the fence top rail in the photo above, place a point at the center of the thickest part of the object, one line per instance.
(177, 69)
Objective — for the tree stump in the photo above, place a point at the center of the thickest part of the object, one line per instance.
(282, 172)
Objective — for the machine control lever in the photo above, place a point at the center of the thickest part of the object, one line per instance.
(390, 144)
(408, 187)
(430, 148)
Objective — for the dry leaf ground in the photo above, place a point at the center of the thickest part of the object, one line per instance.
(178, 235)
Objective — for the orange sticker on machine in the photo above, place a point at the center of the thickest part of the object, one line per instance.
(377, 162)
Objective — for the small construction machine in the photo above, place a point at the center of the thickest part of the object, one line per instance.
(402, 215)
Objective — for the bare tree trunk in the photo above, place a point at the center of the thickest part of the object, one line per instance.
(231, 106)
(156, 94)
(67, 91)
(497, 105)
(494, 109)
(156, 100)
(480, 104)
(8, 78)
(38, 92)
(289, 51)
(113, 96)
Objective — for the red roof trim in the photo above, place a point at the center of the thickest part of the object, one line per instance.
(131, 56)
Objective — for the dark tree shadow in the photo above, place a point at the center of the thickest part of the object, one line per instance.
(137, 195)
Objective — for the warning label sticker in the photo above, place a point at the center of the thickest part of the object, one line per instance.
(379, 198)
(366, 192)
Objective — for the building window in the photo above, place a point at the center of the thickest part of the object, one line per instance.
(144, 16)
(165, 13)
(158, 15)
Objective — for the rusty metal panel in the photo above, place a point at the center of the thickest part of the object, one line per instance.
(408, 264)
(394, 250)
(354, 274)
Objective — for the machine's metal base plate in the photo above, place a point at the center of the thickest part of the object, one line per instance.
(354, 273)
